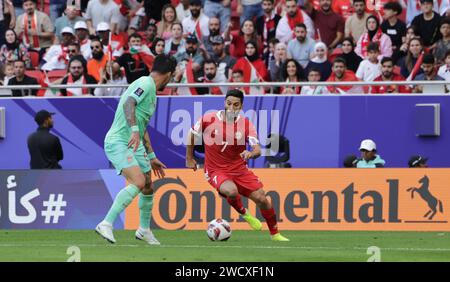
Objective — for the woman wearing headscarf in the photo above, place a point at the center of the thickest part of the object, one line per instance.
(374, 34)
(13, 49)
(320, 61)
(349, 55)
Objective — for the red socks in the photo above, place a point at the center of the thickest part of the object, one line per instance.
(271, 220)
(236, 203)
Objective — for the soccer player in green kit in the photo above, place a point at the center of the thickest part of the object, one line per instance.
(128, 147)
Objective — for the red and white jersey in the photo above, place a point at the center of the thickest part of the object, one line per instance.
(225, 141)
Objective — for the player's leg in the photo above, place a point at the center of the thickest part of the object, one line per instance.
(145, 212)
(267, 211)
(136, 182)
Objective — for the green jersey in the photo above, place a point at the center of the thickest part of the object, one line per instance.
(143, 90)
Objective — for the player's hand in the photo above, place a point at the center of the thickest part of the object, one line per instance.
(246, 155)
(158, 168)
(191, 163)
(134, 141)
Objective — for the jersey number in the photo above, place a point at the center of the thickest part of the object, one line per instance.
(225, 144)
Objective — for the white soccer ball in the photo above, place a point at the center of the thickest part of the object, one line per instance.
(219, 230)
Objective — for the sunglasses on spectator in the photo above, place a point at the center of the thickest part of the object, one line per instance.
(72, 51)
(96, 47)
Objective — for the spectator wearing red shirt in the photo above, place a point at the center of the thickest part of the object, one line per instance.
(343, 8)
(266, 25)
(388, 74)
(341, 74)
(239, 41)
(329, 25)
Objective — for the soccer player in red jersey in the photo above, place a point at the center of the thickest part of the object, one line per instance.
(225, 135)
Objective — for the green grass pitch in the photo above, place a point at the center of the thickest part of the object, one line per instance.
(243, 246)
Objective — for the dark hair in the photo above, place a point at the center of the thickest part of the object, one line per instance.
(164, 64)
(97, 39)
(177, 23)
(80, 59)
(274, 41)
(238, 71)
(376, 20)
(313, 69)
(387, 59)
(235, 93)
(340, 60)
(428, 59)
(445, 20)
(349, 39)
(299, 73)
(447, 53)
(74, 43)
(302, 25)
(409, 57)
(154, 43)
(15, 44)
(134, 35)
(373, 46)
(362, 1)
(21, 61)
(271, 1)
(394, 6)
(209, 61)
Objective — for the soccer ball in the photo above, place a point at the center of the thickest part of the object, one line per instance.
(219, 230)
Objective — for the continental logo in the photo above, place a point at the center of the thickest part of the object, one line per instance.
(311, 199)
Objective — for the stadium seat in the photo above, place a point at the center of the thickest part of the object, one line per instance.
(56, 74)
(282, 152)
(34, 57)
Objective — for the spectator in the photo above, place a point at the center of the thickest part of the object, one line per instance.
(98, 61)
(212, 74)
(45, 148)
(20, 78)
(150, 33)
(443, 45)
(344, 8)
(355, 25)
(192, 52)
(249, 9)
(269, 54)
(291, 71)
(349, 55)
(275, 64)
(153, 8)
(116, 44)
(197, 23)
(427, 24)
(320, 61)
(266, 25)
(57, 56)
(99, 11)
(158, 46)
(351, 161)
(176, 44)
(169, 16)
(341, 74)
(409, 62)
(444, 70)
(73, 49)
(118, 78)
(69, 20)
(35, 28)
(370, 68)
(374, 34)
(289, 22)
(77, 76)
(9, 72)
(394, 27)
(56, 8)
(369, 156)
(302, 47)
(82, 36)
(13, 49)
(252, 67)
(214, 30)
(183, 10)
(4, 81)
(7, 18)
(247, 33)
(414, 8)
(133, 15)
(429, 74)
(220, 9)
(238, 77)
(137, 61)
(388, 74)
(223, 60)
(314, 76)
(418, 161)
(411, 33)
(330, 26)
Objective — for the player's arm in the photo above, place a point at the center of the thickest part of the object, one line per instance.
(129, 108)
(157, 166)
(190, 161)
(253, 154)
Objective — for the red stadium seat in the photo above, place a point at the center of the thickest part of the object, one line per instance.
(34, 56)
(39, 76)
(56, 74)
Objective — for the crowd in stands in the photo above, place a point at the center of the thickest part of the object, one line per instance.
(76, 42)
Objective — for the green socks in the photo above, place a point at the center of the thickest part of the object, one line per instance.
(145, 210)
(123, 199)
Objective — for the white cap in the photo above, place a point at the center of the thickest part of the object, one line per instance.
(103, 26)
(80, 25)
(67, 29)
(368, 145)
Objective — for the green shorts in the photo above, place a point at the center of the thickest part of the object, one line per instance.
(123, 157)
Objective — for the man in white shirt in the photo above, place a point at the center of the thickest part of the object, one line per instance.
(197, 23)
(57, 57)
(370, 68)
(82, 35)
(183, 10)
(102, 11)
(294, 16)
